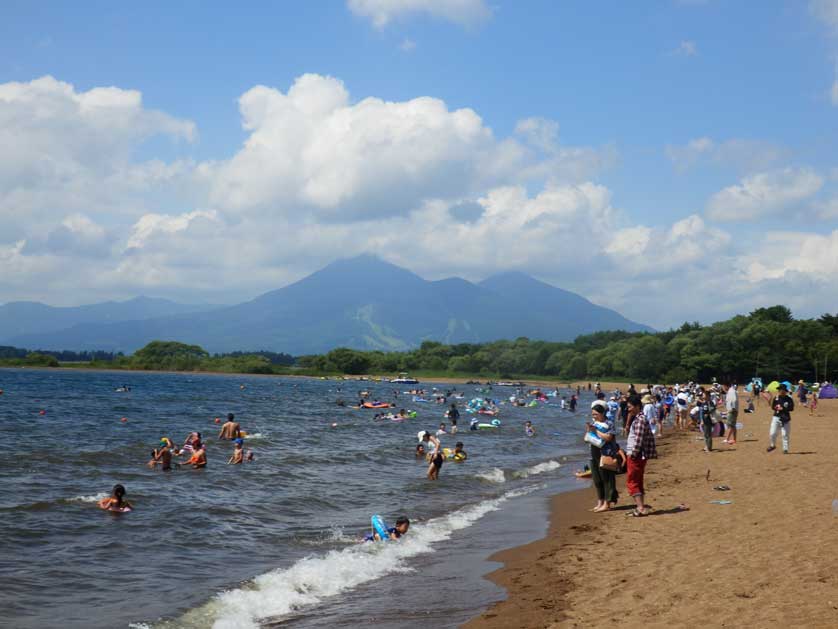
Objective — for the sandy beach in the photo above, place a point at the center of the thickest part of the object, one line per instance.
(764, 560)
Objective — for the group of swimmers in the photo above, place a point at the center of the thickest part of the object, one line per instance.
(194, 451)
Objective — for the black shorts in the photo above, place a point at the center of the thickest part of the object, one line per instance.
(437, 461)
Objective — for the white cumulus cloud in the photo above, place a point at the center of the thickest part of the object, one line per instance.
(746, 155)
(313, 150)
(383, 12)
(764, 194)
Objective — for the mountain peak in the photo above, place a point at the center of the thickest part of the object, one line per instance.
(365, 265)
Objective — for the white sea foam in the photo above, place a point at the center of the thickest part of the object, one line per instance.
(94, 498)
(540, 468)
(494, 475)
(311, 580)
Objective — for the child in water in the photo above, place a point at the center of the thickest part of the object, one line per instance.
(528, 429)
(238, 452)
(115, 502)
(401, 528)
(459, 454)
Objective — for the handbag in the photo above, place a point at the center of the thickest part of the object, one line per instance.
(622, 462)
(610, 463)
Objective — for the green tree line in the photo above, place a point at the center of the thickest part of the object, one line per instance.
(769, 342)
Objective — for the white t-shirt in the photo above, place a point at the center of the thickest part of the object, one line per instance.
(651, 415)
(732, 400)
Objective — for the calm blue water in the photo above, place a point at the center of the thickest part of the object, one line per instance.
(271, 542)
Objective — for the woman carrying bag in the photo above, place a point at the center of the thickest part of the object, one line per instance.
(604, 450)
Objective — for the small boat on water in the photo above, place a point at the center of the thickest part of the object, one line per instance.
(404, 379)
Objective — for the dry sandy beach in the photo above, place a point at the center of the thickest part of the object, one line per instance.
(768, 559)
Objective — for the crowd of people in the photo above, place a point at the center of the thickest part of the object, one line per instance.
(641, 416)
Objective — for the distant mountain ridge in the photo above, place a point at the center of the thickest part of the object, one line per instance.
(363, 303)
(21, 318)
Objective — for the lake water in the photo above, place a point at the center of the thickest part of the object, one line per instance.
(273, 542)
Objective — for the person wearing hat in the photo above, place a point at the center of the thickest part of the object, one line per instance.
(605, 481)
(782, 405)
(238, 452)
(162, 456)
(802, 392)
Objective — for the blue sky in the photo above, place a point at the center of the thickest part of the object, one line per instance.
(642, 116)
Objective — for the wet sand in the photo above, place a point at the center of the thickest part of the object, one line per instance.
(765, 560)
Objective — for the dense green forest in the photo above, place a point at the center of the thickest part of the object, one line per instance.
(157, 355)
(769, 342)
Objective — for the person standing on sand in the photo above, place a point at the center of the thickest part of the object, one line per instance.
(650, 412)
(705, 418)
(732, 406)
(783, 405)
(605, 481)
(640, 447)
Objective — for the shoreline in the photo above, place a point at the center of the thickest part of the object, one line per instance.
(759, 559)
(351, 379)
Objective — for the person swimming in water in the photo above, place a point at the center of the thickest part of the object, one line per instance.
(528, 429)
(198, 458)
(231, 429)
(191, 445)
(116, 502)
(238, 452)
(162, 456)
(420, 450)
(396, 532)
(458, 454)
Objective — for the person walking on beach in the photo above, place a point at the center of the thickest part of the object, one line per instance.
(640, 448)
(650, 412)
(782, 405)
(605, 481)
(682, 414)
(732, 406)
(802, 392)
(705, 418)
